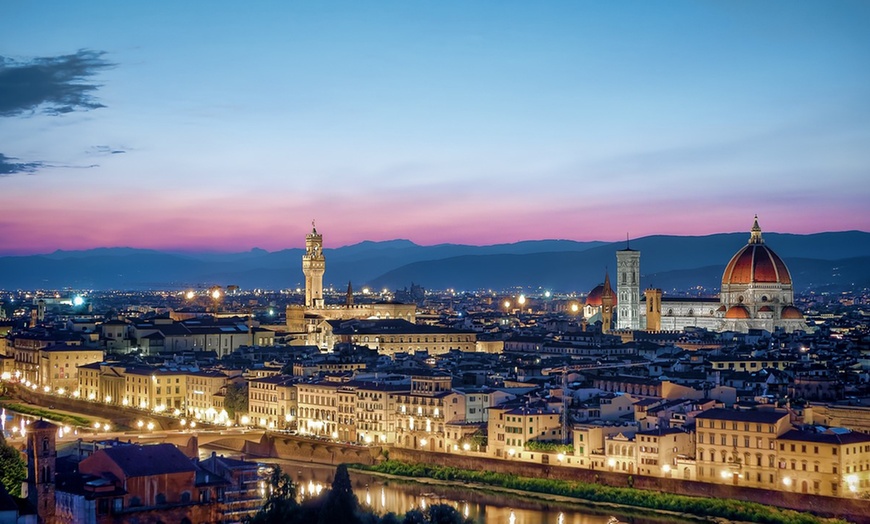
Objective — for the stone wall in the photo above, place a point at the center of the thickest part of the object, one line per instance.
(854, 510)
(119, 415)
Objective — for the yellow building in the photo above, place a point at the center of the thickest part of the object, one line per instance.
(739, 447)
(58, 365)
(834, 462)
(263, 404)
(201, 388)
(317, 409)
(659, 450)
(513, 424)
(420, 413)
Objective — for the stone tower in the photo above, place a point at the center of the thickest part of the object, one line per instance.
(607, 305)
(653, 309)
(628, 288)
(41, 459)
(348, 299)
(313, 267)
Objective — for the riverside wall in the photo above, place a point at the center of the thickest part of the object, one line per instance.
(851, 509)
(119, 415)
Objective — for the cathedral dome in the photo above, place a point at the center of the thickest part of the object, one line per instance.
(792, 313)
(593, 299)
(755, 263)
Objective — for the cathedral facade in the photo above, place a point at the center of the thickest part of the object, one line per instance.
(757, 293)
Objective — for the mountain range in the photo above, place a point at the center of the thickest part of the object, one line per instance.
(832, 261)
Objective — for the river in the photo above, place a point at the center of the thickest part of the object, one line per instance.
(387, 495)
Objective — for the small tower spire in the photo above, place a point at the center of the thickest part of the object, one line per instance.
(755, 233)
(348, 301)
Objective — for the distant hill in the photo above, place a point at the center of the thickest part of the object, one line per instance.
(837, 259)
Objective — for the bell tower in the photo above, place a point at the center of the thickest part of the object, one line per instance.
(607, 305)
(628, 288)
(313, 267)
(653, 309)
(41, 461)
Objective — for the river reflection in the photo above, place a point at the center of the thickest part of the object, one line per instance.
(387, 495)
(14, 425)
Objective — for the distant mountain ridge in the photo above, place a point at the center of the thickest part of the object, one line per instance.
(835, 260)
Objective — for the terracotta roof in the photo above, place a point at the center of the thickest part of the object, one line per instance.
(143, 461)
(792, 313)
(737, 311)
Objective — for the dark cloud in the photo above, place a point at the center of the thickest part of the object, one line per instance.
(10, 166)
(105, 150)
(50, 85)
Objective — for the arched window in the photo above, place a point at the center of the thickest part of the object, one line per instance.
(160, 499)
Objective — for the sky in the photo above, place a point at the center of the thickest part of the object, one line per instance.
(225, 126)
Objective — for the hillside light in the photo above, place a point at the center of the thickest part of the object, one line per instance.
(78, 301)
(190, 295)
(522, 300)
(216, 294)
(575, 308)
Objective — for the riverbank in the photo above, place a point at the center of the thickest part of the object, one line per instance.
(62, 417)
(618, 498)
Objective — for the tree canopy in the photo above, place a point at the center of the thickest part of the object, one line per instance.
(13, 469)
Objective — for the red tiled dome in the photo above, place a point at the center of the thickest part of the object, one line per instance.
(765, 309)
(594, 297)
(792, 313)
(737, 311)
(755, 263)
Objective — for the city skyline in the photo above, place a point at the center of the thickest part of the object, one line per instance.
(212, 127)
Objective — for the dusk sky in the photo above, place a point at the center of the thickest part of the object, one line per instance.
(225, 126)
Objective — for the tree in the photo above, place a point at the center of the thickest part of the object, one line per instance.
(236, 399)
(13, 469)
(341, 504)
(280, 505)
(435, 514)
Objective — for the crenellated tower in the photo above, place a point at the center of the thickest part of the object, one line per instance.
(313, 267)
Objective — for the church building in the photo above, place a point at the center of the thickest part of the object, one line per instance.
(757, 293)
